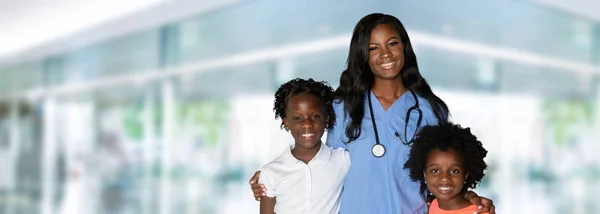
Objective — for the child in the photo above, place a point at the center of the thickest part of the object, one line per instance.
(307, 177)
(447, 160)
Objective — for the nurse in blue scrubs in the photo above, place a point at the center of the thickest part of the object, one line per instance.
(382, 101)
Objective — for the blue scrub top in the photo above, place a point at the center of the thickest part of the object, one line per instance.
(381, 185)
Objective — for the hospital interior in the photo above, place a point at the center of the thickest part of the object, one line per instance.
(166, 106)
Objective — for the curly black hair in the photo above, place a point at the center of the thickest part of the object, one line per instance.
(446, 136)
(319, 89)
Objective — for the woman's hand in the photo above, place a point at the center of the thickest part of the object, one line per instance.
(483, 204)
(259, 190)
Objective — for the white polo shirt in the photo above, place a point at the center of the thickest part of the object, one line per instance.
(307, 188)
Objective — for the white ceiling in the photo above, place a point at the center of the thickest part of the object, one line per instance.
(28, 23)
(31, 29)
(585, 8)
(25, 24)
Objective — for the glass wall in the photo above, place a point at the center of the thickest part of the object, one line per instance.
(176, 119)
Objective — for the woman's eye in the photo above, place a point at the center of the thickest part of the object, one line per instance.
(394, 43)
(454, 171)
(372, 48)
(435, 171)
(295, 118)
(316, 116)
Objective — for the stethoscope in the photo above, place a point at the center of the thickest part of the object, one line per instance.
(378, 150)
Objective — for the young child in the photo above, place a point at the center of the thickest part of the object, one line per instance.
(447, 160)
(307, 177)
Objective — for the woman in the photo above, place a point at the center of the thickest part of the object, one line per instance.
(381, 101)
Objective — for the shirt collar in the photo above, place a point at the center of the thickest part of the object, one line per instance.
(323, 154)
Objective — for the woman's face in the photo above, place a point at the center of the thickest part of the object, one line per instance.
(386, 52)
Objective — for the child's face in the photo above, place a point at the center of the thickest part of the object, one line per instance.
(444, 174)
(305, 119)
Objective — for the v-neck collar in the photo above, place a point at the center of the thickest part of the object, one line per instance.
(378, 108)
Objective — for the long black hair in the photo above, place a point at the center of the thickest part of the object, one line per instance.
(358, 77)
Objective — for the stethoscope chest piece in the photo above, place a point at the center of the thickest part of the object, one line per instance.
(378, 150)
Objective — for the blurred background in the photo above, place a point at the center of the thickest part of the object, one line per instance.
(158, 106)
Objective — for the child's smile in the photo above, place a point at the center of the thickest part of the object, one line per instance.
(445, 175)
(305, 120)
(308, 135)
(445, 188)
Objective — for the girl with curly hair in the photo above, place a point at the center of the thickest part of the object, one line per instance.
(446, 160)
(307, 177)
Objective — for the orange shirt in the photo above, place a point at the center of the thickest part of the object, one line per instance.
(435, 209)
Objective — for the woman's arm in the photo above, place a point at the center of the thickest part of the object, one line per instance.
(267, 205)
(258, 190)
(334, 135)
(484, 205)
